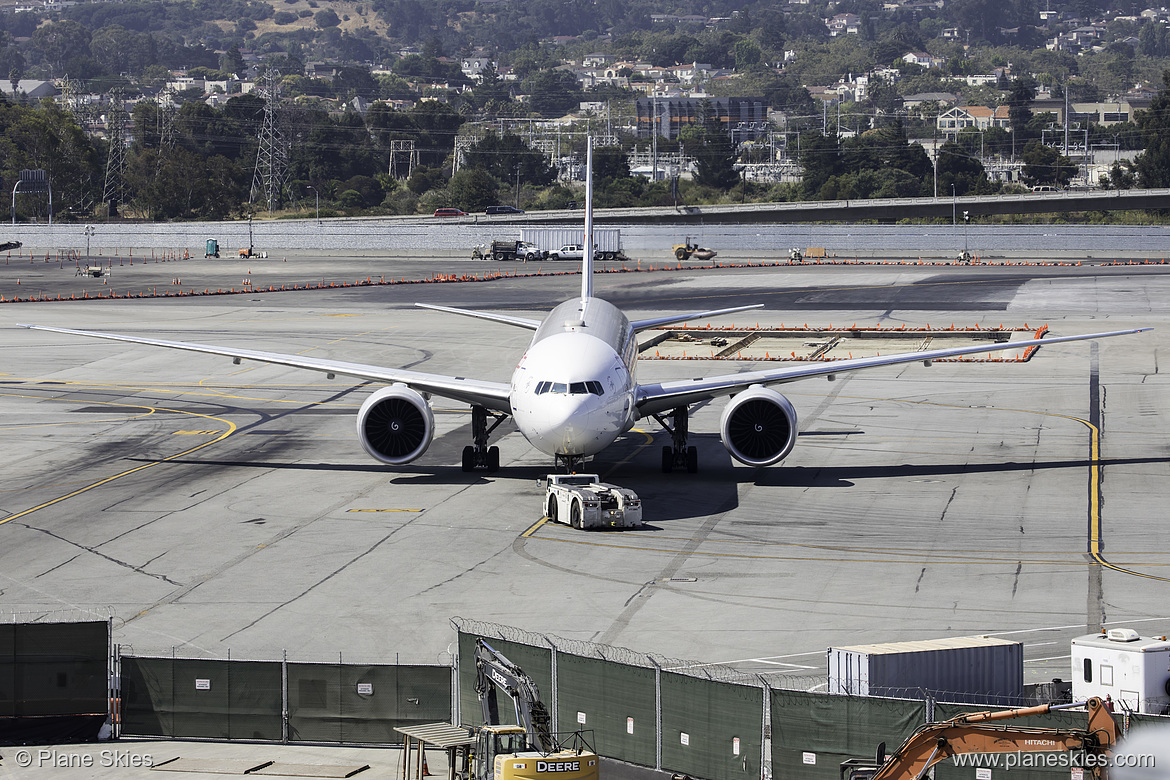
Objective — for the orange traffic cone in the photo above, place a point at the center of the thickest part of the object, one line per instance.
(426, 772)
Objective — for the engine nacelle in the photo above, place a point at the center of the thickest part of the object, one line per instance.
(758, 427)
(396, 425)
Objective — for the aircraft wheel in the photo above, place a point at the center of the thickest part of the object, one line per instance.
(667, 460)
(692, 460)
(469, 458)
(551, 510)
(493, 459)
(575, 516)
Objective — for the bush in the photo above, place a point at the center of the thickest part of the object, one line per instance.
(284, 17)
(326, 18)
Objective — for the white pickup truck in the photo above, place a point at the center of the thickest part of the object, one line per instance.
(585, 502)
(568, 252)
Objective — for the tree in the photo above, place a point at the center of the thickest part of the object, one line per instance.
(1153, 164)
(1045, 165)
(553, 92)
(472, 189)
(713, 150)
(500, 156)
(326, 18)
(1019, 102)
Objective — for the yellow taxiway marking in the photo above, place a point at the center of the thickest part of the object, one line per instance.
(385, 510)
(231, 428)
(534, 528)
(195, 433)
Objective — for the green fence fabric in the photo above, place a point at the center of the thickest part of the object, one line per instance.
(54, 668)
(7, 670)
(148, 705)
(812, 733)
(722, 724)
(614, 701)
(535, 661)
(364, 704)
(226, 699)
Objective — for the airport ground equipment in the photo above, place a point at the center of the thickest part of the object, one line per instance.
(585, 502)
(687, 250)
(515, 250)
(981, 732)
(528, 750)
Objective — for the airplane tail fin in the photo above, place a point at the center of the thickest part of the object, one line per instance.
(587, 261)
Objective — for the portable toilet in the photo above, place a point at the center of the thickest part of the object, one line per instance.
(1131, 670)
(212, 248)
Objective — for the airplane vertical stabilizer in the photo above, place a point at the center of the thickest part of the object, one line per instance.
(587, 261)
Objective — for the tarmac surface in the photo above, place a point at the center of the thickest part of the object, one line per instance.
(213, 508)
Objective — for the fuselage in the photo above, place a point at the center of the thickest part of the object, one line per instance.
(573, 391)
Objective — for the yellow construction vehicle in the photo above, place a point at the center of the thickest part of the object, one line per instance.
(687, 250)
(528, 750)
(975, 733)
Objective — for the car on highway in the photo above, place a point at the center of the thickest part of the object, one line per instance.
(450, 213)
(497, 210)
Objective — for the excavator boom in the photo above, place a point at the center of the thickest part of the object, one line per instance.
(983, 732)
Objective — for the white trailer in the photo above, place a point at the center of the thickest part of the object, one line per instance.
(1133, 671)
(585, 502)
(607, 242)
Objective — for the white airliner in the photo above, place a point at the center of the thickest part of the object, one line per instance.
(574, 391)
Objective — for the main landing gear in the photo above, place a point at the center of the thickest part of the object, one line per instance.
(680, 454)
(479, 455)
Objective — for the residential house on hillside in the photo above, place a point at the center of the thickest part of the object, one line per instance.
(923, 59)
(843, 24)
(953, 120)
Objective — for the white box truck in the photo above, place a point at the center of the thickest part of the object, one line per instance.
(607, 242)
(1131, 670)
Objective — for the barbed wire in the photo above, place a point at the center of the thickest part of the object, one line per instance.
(60, 615)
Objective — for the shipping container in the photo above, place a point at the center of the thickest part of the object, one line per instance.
(607, 242)
(1133, 671)
(976, 670)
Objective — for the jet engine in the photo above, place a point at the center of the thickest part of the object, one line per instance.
(396, 425)
(758, 427)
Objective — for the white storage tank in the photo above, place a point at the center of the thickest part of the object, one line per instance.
(976, 670)
(1133, 671)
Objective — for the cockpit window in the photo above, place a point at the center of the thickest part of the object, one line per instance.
(573, 388)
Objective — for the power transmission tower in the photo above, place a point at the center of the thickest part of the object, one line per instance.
(272, 154)
(114, 192)
(404, 158)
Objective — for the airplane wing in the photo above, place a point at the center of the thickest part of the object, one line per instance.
(507, 319)
(663, 396)
(493, 395)
(640, 325)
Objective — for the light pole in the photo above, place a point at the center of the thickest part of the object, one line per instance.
(953, 220)
(89, 231)
(314, 189)
(517, 185)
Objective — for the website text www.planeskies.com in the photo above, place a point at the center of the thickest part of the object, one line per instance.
(1022, 759)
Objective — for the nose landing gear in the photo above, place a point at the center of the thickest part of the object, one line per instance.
(479, 455)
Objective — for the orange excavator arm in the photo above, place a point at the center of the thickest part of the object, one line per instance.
(979, 732)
